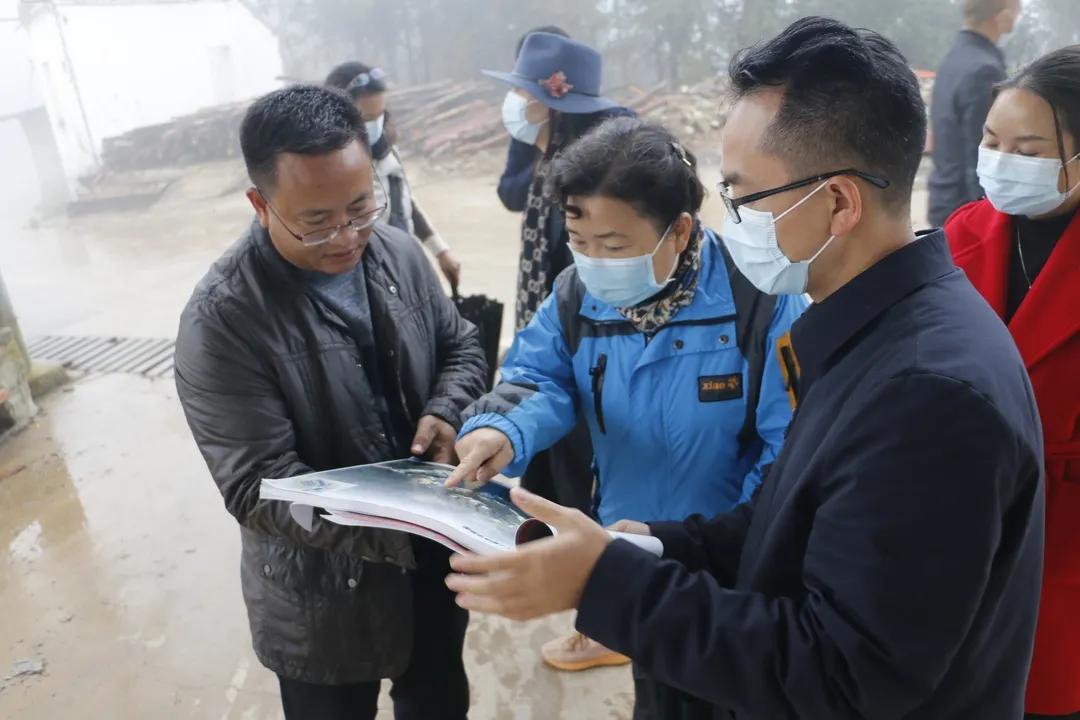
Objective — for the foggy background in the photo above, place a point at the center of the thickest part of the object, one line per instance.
(78, 72)
(120, 184)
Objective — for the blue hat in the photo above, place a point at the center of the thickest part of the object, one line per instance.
(561, 73)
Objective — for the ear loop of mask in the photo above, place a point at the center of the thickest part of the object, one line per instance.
(828, 242)
(1065, 167)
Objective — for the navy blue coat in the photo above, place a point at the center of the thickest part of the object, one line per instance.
(517, 177)
(889, 566)
(963, 93)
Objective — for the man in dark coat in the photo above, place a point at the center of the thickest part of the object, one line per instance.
(889, 566)
(963, 92)
(320, 340)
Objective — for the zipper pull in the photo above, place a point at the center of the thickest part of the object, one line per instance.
(597, 374)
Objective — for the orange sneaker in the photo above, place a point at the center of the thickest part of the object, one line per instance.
(575, 652)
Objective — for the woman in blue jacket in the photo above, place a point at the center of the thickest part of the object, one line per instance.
(655, 339)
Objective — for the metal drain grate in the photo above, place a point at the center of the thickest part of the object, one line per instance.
(151, 357)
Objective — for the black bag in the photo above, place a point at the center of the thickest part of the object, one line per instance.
(487, 315)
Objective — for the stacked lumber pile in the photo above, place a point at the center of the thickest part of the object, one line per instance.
(436, 121)
(464, 118)
(206, 136)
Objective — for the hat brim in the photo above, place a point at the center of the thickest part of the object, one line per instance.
(572, 103)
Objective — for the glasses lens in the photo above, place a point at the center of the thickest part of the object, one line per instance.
(368, 219)
(729, 205)
(320, 236)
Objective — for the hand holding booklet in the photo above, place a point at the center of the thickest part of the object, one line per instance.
(411, 496)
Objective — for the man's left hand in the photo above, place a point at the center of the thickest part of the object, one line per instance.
(537, 579)
(434, 440)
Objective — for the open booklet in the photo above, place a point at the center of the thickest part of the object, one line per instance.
(411, 496)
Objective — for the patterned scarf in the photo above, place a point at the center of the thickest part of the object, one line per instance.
(535, 263)
(653, 314)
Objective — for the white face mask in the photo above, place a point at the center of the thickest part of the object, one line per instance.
(756, 252)
(1021, 185)
(375, 129)
(513, 114)
(622, 282)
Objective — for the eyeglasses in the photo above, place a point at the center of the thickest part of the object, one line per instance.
(329, 234)
(362, 80)
(733, 204)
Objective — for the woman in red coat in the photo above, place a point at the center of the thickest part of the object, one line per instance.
(1021, 249)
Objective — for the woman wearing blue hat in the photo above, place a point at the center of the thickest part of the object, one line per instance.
(554, 100)
(521, 157)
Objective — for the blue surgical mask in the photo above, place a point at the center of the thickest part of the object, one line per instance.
(513, 112)
(375, 129)
(1021, 185)
(622, 282)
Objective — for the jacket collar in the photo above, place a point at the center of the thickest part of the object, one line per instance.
(827, 326)
(286, 277)
(282, 270)
(981, 41)
(1048, 317)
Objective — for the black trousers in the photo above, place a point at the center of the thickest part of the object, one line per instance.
(654, 700)
(434, 687)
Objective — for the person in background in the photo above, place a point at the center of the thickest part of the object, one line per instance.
(554, 100)
(642, 339)
(961, 99)
(367, 87)
(322, 339)
(889, 565)
(522, 157)
(1021, 249)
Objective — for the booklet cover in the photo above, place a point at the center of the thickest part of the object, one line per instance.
(411, 496)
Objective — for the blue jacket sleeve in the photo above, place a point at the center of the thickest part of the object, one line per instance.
(518, 175)
(534, 403)
(774, 409)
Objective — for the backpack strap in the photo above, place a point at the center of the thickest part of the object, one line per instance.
(753, 317)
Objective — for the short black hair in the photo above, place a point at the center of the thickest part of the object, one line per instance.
(638, 162)
(346, 72)
(1056, 79)
(302, 119)
(549, 29)
(850, 100)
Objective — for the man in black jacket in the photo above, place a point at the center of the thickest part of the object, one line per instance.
(320, 340)
(889, 566)
(963, 93)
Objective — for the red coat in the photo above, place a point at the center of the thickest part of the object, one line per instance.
(1046, 328)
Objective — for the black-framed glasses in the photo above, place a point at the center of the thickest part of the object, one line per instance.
(329, 234)
(733, 204)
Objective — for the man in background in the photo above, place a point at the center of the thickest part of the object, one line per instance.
(963, 92)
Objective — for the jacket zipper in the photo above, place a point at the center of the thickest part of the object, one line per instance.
(597, 374)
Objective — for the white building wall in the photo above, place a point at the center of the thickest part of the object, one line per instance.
(106, 68)
(19, 187)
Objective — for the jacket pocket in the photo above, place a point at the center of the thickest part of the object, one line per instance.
(295, 572)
